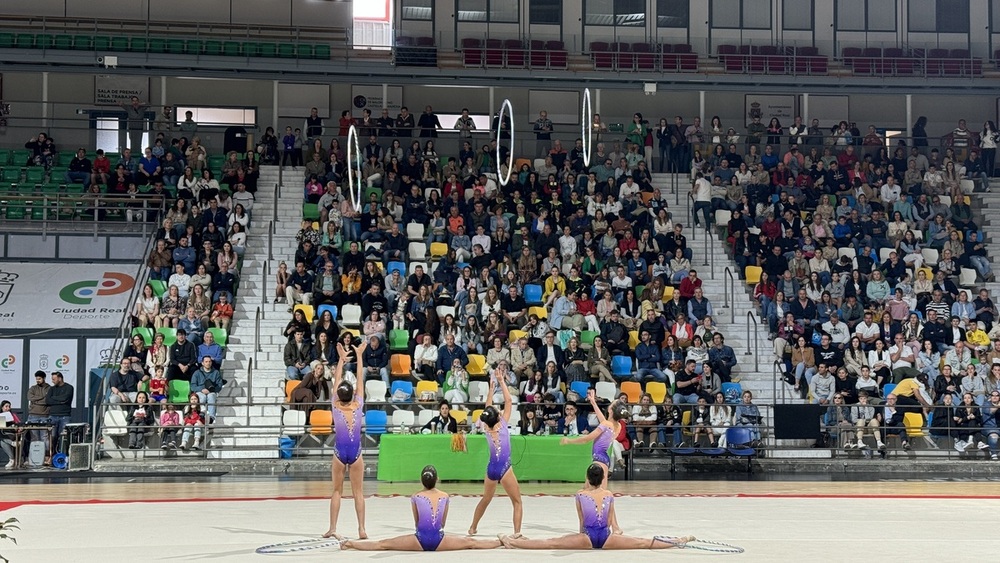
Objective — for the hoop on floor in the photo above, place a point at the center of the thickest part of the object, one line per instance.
(297, 545)
(510, 156)
(352, 135)
(700, 544)
(586, 126)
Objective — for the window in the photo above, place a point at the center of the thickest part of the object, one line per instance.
(218, 117)
(417, 9)
(798, 15)
(492, 11)
(866, 15)
(741, 14)
(938, 16)
(372, 25)
(673, 13)
(546, 12)
(623, 13)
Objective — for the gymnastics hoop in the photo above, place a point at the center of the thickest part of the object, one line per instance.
(510, 157)
(586, 126)
(297, 545)
(352, 135)
(700, 544)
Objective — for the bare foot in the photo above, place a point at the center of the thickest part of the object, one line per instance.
(362, 534)
(505, 541)
(472, 532)
(617, 531)
(516, 536)
(332, 533)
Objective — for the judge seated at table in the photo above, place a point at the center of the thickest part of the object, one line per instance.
(443, 422)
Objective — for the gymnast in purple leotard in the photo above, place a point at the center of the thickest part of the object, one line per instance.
(498, 470)
(347, 420)
(598, 524)
(430, 512)
(602, 436)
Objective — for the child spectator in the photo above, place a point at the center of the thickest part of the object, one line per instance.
(158, 386)
(139, 420)
(194, 421)
(170, 423)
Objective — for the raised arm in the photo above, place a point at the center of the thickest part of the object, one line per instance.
(489, 396)
(338, 372)
(360, 352)
(582, 439)
(592, 397)
(506, 398)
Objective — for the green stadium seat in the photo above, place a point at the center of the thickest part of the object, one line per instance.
(102, 43)
(19, 157)
(304, 51)
(216, 161)
(138, 44)
(43, 41)
(75, 188)
(11, 175)
(232, 48)
(119, 44)
(221, 336)
(178, 391)
(159, 287)
(83, 43)
(175, 46)
(5, 157)
(213, 47)
(38, 211)
(399, 340)
(157, 45)
(321, 52)
(268, 50)
(57, 174)
(251, 49)
(169, 335)
(6, 40)
(194, 47)
(286, 51)
(25, 41)
(50, 189)
(15, 211)
(65, 158)
(64, 42)
(310, 212)
(34, 175)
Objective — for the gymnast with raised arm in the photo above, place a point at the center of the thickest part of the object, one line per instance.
(601, 436)
(430, 513)
(498, 470)
(595, 506)
(347, 421)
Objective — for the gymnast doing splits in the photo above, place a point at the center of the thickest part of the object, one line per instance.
(347, 421)
(603, 435)
(498, 469)
(595, 506)
(430, 513)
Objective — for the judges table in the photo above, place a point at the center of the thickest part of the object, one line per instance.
(401, 457)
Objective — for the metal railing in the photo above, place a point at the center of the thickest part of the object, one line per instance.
(250, 364)
(752, 318)
(270, 236)
(256, 331)
(103, 214)
(264, 272)
(729, 293)
(775, 385)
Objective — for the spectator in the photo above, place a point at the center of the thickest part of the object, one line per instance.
(59, 399)
(297, 355)
(183, 358)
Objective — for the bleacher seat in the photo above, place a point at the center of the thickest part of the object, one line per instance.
(478, 389)
(533, 294)
(320, 422)
(220, 335)
(324, 308)
(402, 418)
(146, 334)
(401, 365)
(418, 251)
(427, 387)
(178, 391)
(402, 386)
(621, 366)
(293, 422)
(633, 390)
(399, 340)
(657, 391)
(375, 422)
(307, 310)
(169, 335)
(477, 364)
(352, 315)
(581, 388)
(375, 391)
(424, 417)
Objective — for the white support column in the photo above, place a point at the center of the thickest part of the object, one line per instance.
(805, 109)
(909, 119)
(701, 106)
(274, 106)
(45, 100)
(385, 95)
(163, 92)
(597, 102)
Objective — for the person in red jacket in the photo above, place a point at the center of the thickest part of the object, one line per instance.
(689, 284)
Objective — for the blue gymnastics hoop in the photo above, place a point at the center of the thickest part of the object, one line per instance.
(506, 105)
(586, 126)
(352, 135)
(297, 545)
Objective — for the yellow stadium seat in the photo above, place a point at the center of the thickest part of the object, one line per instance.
(752, 274)
(477, 364)
(439, 249)
(657, 391)
(686, 422)
(460, 416)
(914, 424)
(474, 417)
(515, 335)
(307, 310)
(540, 312)
(633, 339)
(668, 293)
(426, 386)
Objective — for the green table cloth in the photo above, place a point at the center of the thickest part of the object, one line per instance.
(534, 458)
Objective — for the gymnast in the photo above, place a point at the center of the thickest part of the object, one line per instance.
(595, 507)
(430, 513)
(603, 435)
(347, 419)
(498, 470)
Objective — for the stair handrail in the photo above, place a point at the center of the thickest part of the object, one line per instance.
(265, 273)
(729, 293)
(690, 216)
(270, 238)
(274, 211)
(774, 383)
(751, 317)
(249, 389)
(256, 332)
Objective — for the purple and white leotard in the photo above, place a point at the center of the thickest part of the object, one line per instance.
(430, 524)
(595, 513)
(498, 442)
(347, 431)
(601, 445)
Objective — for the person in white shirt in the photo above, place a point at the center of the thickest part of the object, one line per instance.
(482, 239)
(890, 192)
(868, 332)
(702, 194)
(902, 359)
(425, 357)
(839, 332)
(181, 280)
(567, 245)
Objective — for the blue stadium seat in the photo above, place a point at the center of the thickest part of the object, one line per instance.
(396, 266)
(401, 385)
(621, 366)
(331, 308)
(581, 388)
(533, 294)
(733, 392)
(376, 422)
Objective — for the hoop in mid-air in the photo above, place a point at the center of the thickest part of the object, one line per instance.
(352, 135)
(586, 126)
(510, 157)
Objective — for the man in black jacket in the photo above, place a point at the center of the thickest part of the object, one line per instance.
(183, 358)
(124, 384)
(376, 357)
(615, 335)
(60, 401)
